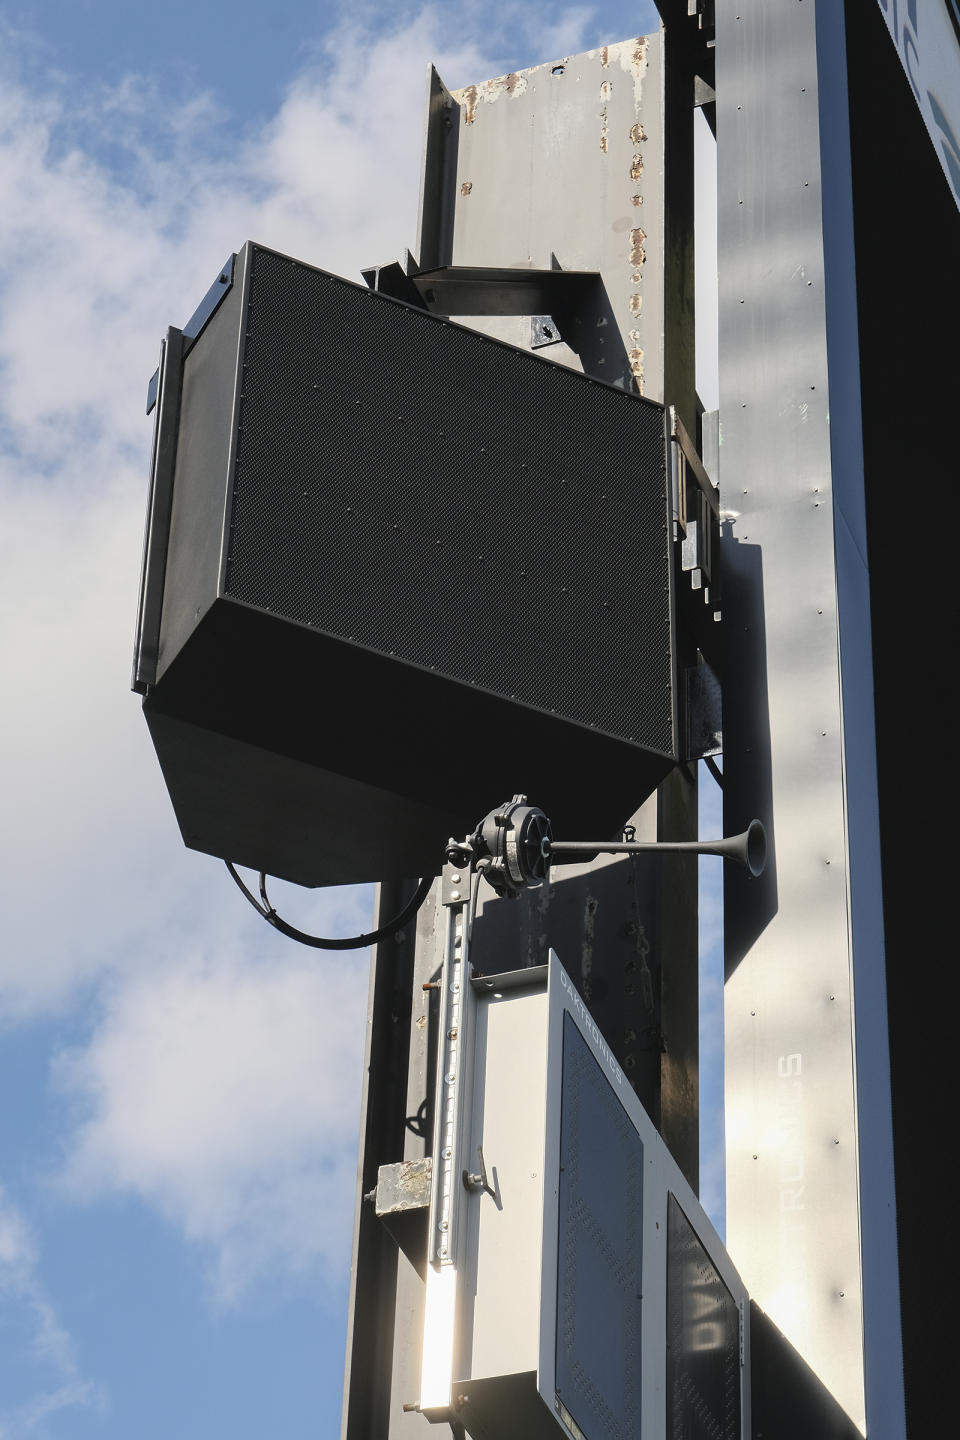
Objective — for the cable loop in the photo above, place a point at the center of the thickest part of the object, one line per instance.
(322, 942)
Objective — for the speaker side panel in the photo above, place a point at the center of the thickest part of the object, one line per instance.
(211, 376)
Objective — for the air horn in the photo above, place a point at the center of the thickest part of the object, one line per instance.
(748, 848)
(513, 847)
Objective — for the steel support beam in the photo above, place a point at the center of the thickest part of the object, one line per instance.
(560, 168)
(810, 1177)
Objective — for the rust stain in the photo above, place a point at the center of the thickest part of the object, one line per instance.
(466, 187)
(640, 53)
(637, 253)
(637, 133)
(636, 277)
(638, 200)
(636, 302)
(605, 91)
(636, 167)
(605, 56)
(489, 92)
(636, 368)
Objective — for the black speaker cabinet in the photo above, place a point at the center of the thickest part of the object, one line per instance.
(395, 571)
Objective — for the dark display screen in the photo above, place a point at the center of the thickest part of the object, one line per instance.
(598, 1358)
(703, 1340)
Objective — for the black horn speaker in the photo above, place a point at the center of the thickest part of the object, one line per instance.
(394, 568)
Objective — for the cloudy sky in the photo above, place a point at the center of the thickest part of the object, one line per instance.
(179, 1085)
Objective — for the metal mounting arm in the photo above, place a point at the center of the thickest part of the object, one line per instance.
(513, 847)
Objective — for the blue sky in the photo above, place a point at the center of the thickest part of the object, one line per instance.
(180, 1086)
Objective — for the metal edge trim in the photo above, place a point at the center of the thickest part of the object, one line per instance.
(245, 260)
(159, 509)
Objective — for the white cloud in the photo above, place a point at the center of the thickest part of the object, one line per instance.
(96, 262)
(219, 1089)
(36, 1344)
(225, 1095)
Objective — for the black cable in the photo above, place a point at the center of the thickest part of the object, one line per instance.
(474, 893)
(321, 942)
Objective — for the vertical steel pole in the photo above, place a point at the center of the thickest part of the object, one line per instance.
(562, 166)
(807, 1088)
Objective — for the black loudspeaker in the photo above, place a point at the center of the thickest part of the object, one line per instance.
(395, 571)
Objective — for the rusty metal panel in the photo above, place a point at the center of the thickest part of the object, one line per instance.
(562, 166)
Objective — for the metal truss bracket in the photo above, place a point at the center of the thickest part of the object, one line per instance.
(492, 290)
(554, 299)
(394, 280)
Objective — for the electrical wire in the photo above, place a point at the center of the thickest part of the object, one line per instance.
(474, 893)
(322, 942)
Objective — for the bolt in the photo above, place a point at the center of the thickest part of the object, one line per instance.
(455, 894)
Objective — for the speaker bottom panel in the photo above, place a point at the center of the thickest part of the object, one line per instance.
(325, 764)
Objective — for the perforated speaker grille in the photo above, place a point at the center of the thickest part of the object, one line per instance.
(434, 495)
